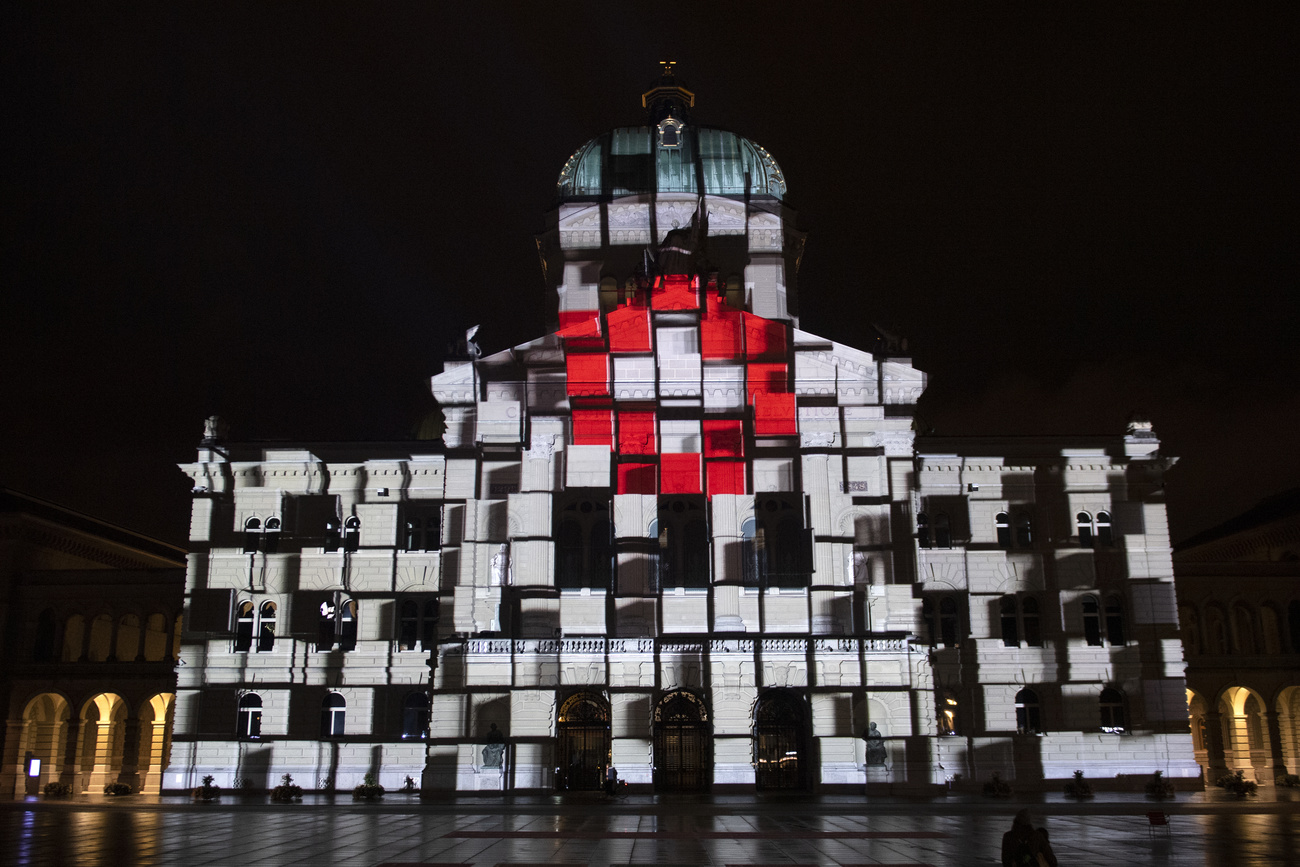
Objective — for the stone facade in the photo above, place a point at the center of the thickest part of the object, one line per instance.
(91, 626)
(681, 536)
(1239, 606)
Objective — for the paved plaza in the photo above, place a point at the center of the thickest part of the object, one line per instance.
(403, 831)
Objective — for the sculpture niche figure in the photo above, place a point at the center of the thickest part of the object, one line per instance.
(494, 749)
(875, 745)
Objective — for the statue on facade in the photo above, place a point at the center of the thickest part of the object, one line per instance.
(875, 745)
(494, 749)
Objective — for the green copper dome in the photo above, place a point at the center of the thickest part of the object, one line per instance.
(672, 157)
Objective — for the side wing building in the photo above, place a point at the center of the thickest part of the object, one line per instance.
(683, 537)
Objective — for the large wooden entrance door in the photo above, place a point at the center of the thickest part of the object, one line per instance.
(780, 742)
(583, 741)
(683, 746)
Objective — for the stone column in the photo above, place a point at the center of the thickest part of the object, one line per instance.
(1273, 732)
(130, 772)
(12, 772)
(70, 773)
(1214, 747)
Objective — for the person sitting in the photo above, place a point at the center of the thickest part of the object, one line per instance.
(1026, 846)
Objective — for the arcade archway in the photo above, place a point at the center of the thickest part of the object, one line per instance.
(780, 741)
(683, 746)
(582, 741)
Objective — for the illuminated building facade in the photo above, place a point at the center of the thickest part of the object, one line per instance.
(89, 631)
(680, 535)
(1239, 606)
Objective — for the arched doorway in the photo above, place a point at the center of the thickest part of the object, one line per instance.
(103, 736)
(44, 735)
(582, 749)
(683, 748)
(155, 740)
(780, 741)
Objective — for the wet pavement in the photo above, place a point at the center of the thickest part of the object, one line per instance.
(1206, 830)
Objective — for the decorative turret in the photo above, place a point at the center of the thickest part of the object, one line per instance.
(668, 98)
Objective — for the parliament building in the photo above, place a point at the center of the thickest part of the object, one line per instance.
(683, 537)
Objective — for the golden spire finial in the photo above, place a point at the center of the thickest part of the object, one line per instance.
(668, 66)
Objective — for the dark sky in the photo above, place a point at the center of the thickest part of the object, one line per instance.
(282, 213)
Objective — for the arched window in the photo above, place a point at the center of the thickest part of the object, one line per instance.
(1115, 621)
(1216, 630)
(568, 544)
(1269, 629)
(1024, 530)
(1244, 629)
(74, 636)
(429, 625)
(1085, 529)
(326, 626)
(1191, 630)
(1104, 536)
(1003, 524)
(43, 646)
(775, 549)
(948, 631)
(1029, 622)
(1010, 626)
(947, 707)
(244, 627)
(415, 716)
(1112, 711)
(252, 535)
(250, 716)
(101, 638)
(271, 536)
(408, 626)
(942, 531)
(266, 628)
(1028, 718)
(352, 534)
(1293, 624)
(127, 645)
(348, 626)
(423, 527)
(332, 713)
(1091, 620)
(584, 550)
(417, 627)
(923, 530)
(683, 542)
(332, 537)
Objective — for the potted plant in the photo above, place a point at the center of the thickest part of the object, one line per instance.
(1160, 788)
(1287, 781)
(286, 791)
(118, 789)
(58, 790)
(370, 790)
(1237, 784)
(409, 787)
(1078, 787)
(209, 791)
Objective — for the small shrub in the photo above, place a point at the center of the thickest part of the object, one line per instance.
(118, 789)
(1159, 787)
(409, 786)
(209, 791)
(58, 790)
(1287, 781)
(996, 788)
(1078, 787)
(370, 790)
(1237, 784)
(286, 791)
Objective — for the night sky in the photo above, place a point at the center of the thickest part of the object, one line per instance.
(283, 212)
